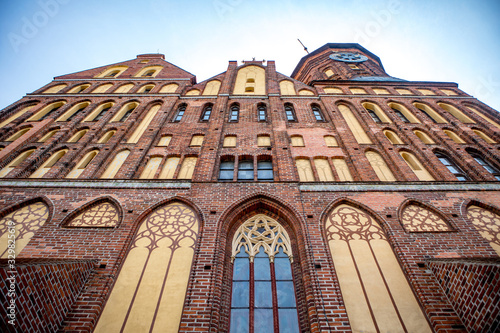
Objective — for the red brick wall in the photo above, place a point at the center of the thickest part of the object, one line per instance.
(473, 288)
(45, 291)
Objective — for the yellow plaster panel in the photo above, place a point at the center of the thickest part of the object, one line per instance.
(144, 124)
(487, 224)
(333, 90)
(169, 88)
(150, 169)
(305, 92)
(381, 91)
(115, 69)
(354, 125)
(404, 92)
(479, 114)
(54, 89)
(426, 92)
(102, 88)
(193, 92)
(342, 170)
(449, 92)
(407, 305)
(15, 116)
(305, 170)
(169, 168)
(357, 308)
(264, 141)
(250, 77)
(26, 221)
(155, 272)
(323, 169)
(116, 164)
(143, 72)
(357, 91)
(456, 113)
(453, 136)
(212, 88)
(380, 167)
(124, 89)
(187, 168)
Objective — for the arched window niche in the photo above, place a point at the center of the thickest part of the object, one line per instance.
(262, 281)
(364, 261)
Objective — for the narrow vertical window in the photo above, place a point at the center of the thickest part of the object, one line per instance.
(304, 169)
(151, 167)
(48, 135)
(317, 113)
(234, 113)
(15, 116)
(84, 162)
(452, 167)
(262, 286)
(207, 111)
(393, 137)
(105, 138)
(226, 170)
(265, 171)
(380, 167)
(245, 169)
(297, 141)
(17, 161)
(484, 136)
(324, 170)
(124, 112)
(46, 111)
(169, 168)
(417, 167)
(164, 141)
(77, 136)
(187, 168)
(116, 164)
(139, 131)
(373, 114)
(494, 172)
(101, 114)
(47, 165)
(290, 112)
(424, 137)
(453, 136)
(262, 112)
(18, 134)
(180, 113)
(196, 141)
(400, 115)
(73, 112)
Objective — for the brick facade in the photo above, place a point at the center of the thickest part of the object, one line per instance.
(300, 207)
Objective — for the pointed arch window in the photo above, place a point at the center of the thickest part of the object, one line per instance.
(124, 112)
(262, 112)
(418, 169)
(290, 112)
(180, 113)
(380, 167)
(452, 167)
(262, 287)
(234, 113)
(207, 111)
(17, 161)
(317, 113)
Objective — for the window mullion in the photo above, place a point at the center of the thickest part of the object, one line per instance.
(275, 299)
(252, 299)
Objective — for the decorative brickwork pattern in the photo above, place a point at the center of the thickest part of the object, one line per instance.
(419, 219)
(45, 291)
(473, 289)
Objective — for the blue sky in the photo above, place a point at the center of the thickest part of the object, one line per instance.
(417, 40)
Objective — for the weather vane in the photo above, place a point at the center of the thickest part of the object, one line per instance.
(305, 48)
